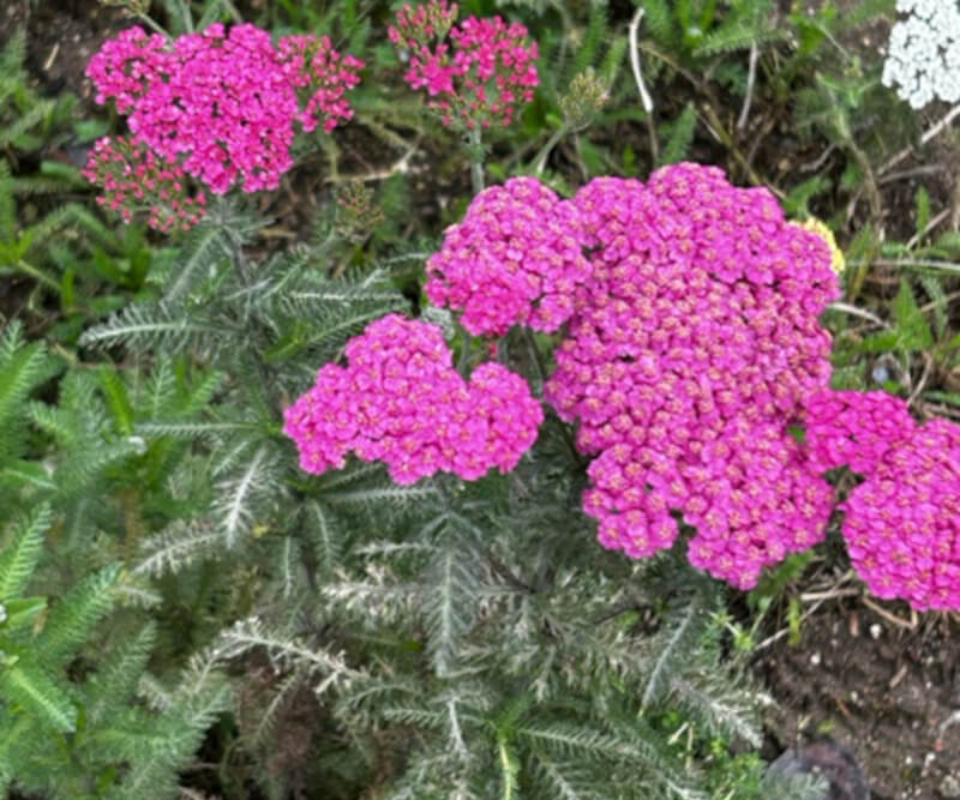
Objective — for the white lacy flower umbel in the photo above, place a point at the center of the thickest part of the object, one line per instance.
(923, 62)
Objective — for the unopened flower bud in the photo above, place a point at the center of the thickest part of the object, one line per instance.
(357, 212)
(585, 98)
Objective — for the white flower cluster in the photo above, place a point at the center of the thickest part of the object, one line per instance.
(923, 62)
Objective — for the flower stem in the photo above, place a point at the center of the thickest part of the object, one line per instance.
(540, 162)
(467, 341)
(38, 274)
(268, 383)
(187, 15)
(536, 358)
(476, 159)
(232, 9)
(147, 20)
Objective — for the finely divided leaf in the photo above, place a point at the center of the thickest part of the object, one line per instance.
(18, 560)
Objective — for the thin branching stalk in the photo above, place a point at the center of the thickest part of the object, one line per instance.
(855, 311)
(232, 9)
(931, 133)
(645, 99)
(187, 15)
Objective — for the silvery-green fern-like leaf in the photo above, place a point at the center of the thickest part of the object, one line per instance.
(19, 558)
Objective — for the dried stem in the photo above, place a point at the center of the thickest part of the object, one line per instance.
(751, 79)
(645, 99)
(932, 132)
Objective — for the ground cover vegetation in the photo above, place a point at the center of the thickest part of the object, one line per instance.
(437, 401)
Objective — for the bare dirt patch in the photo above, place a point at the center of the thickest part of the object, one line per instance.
(889, 694)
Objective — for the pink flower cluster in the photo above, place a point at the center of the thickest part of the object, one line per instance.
(312, 64)
(692, 346)
(223, 105)
(399, 400)
(133, 179)
(751, 496)
(482, 76)
(855, 429)
(902, 525)
(515, 258)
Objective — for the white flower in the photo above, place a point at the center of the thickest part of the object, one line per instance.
(923, 62)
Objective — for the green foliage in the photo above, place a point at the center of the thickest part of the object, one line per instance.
(61, 246)
(171, 579)
(680, 137)
(61, 736)
(73, 646)
(26, 119)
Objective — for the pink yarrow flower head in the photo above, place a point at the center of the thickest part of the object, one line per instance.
(690, 349)
(399, 400)
(902, 525)
(323, 76)
(855, 429)
(751, 496)
(515, 259)
(134, 180)
(480, 75)
(222, 105)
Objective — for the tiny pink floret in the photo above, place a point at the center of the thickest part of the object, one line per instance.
(133, 180)
(855, 429)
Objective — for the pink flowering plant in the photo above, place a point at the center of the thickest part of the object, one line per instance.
(479, 72)
(691, 348)
(479, 472)
(222, 106)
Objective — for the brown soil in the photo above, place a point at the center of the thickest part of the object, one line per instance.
(888, 693)
(61, 37)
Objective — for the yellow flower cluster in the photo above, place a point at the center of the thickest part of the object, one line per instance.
(814, 225)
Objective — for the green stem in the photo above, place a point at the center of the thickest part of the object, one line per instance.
(267, 383)
(541, 160)
(187, 15)
(535, 357)
(541, 369)
(38, 274)
(467, 340)
(227, 4)
(147, 20)
(476, 159)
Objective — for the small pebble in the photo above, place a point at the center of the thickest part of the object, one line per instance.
(832, 761)
(950, 786)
